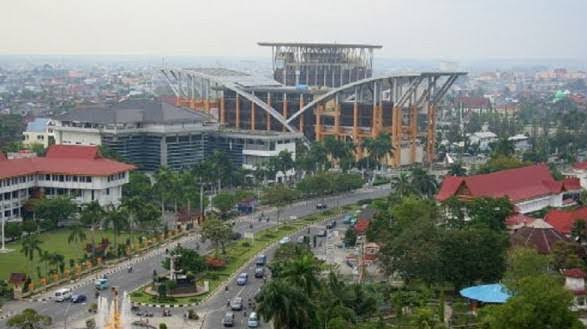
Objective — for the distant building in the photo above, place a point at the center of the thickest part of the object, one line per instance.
(474, 104)
(39, 131)
(520, 142)
(152, 134)
(79, 172)
(575, 283)
(579, 170)
(483, 138)
(529, 188)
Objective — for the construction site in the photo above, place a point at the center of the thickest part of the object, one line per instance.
(319, 90)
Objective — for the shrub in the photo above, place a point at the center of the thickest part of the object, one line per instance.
(162, 326)
(215, 263)
(246, 244)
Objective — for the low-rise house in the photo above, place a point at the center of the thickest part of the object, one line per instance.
(575, 283)
(564, 220)
(579, 171)
(530, 188)
(39, 131)
(537, 235)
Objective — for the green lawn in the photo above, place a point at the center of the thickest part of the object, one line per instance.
(53, 241)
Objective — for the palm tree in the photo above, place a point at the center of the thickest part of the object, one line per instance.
(286, 305)
(163, 186)
(133, 207)
(30, 245)
(92, 215)
(302, 272)
(30, 319)
(402, 185)
(77, 234)
(422, 182)
(378, 148)
(117, 218)
(456, 169)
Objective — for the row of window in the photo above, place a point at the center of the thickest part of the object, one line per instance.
(65, 178)
(119, 176)
(16, 180)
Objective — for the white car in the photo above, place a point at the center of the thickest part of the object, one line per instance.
(284, 240)
(253, 321)
(62, 295)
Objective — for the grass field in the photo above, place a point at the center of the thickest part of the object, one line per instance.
(53, 241)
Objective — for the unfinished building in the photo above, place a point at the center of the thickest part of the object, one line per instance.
(355, 107)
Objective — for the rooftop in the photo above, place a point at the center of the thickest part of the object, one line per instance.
(38, 125)
(517, 184)
(67, 160)
(538, 235)
(240, 79)
(135, 111)
(563, 220)
(319, 45)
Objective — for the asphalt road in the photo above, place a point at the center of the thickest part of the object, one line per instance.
(64, 313)
(216, 306)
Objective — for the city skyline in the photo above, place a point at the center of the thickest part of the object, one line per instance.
(420, 29)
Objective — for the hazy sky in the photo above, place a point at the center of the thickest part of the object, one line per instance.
(445, 29)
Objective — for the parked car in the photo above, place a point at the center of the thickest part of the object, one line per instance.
(331, 225)
(228, 319)
(63, 294)
(321, 206)
(322, 233)
(242, 279)
(259, 272)
(261, 260)
(253, 321)
(284, 240)
(236, 304)
(301, 239)
(78, 299)
(101, 284)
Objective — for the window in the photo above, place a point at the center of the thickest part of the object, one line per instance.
(7, 196)
(93, 195)
(89, 179)
(75, 178)
(107, 191)
(7, 213)
(47, 177)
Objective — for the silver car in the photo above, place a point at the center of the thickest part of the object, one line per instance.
(236, 304)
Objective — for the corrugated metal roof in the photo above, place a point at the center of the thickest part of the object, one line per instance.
(38, 125)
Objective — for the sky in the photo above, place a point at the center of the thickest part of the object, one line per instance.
(420, 29)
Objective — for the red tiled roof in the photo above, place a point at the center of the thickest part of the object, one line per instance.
(563, 220)
(580, 165)
(518, 219)
(541, 239)
(574, 273)
(450, 186)
(69, 165)
(361, 226)
(474, 102)
(73, 152)
(572, 184)
(517, 184)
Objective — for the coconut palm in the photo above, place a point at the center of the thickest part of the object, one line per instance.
(378, 147)
(29, 246)
(92, 215)
(402, 185)
(456, 169)
(164, 186)
(77, 234)
(286, 305)
(422, 182)
(117, 219)
(302, 272)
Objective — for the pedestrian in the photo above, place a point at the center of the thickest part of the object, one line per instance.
(226, 288)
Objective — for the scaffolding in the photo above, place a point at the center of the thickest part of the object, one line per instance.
(320, 64)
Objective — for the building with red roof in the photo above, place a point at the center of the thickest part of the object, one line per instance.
(580, 171)
(563, 220)
(538, 235)
(530, 188)
(575, 283)
(79, 172)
